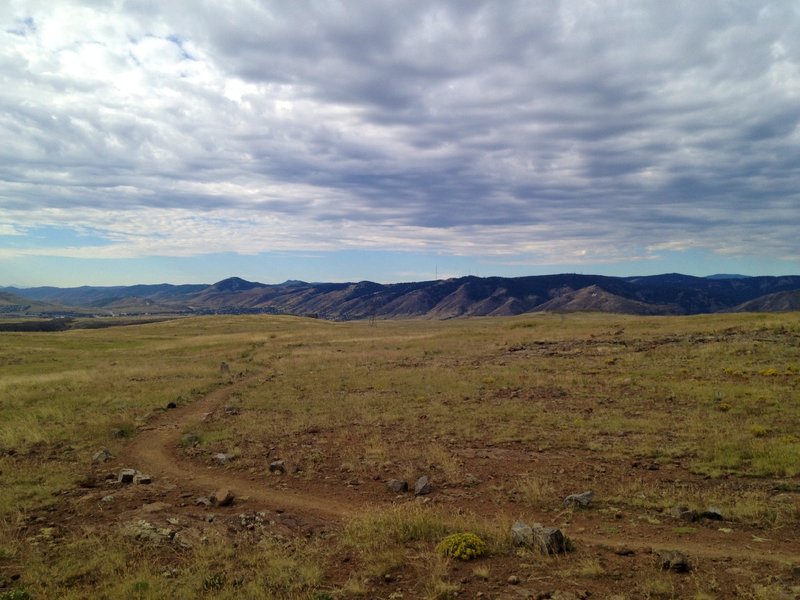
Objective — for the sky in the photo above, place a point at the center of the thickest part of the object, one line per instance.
(396, 140)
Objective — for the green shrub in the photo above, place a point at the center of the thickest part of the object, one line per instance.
(464, 546)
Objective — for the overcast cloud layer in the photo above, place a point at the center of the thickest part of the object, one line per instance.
(543, 132)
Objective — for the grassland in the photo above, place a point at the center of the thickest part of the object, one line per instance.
(505, 415)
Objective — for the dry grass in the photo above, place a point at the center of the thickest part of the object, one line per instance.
(713, 395)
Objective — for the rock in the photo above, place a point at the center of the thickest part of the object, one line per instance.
(231, 411)
(673, 560)
(277, 466)
(101, 456)
(117, 433)
(222, 497)
(712, 513)
(202, 501)
(171, 405)
(126, 475)
(190, 439)
(684, 513)
(154, 507)
(223, 458)
(397, 486)
(513, 580)
(547, 540)
(521, 534)
(581, 500)
(142, 479)
(252, 520)
(550, 540)
(145, 531)
(188, 538)
(107, 499)
(423, 486)
(624, 551)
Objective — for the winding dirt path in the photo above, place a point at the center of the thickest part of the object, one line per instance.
(155, 450)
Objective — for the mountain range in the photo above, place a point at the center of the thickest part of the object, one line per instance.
(668, 294)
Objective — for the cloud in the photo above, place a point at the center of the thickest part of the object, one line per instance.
(567, 131)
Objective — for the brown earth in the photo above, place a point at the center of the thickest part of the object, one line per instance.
(616, 545)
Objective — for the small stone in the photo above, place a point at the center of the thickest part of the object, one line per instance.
(117, 433)
(146, 531)
(673, 560)
(107, 499)
(188, 538)
(101, 456)
(684, 513)
(222, 497)
(712, 513)
(513, 579)
(126, 475)
(278, 467)
(171, 405)
(397, 486)
(142, 479)
(422, 486)
(550, 540)
(521, 534)
(581, 500)
(223, 458)
(547, 540)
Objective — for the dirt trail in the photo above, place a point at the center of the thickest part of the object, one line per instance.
(155, 450)
(733, 547)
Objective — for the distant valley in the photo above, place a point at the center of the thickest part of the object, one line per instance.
(669, 294)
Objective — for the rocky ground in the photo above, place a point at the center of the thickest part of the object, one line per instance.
(166, 495)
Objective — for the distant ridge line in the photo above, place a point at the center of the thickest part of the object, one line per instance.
(665, 294)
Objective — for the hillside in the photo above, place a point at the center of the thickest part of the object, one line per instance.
(780, 301)
(14, 304)
(667, 294)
